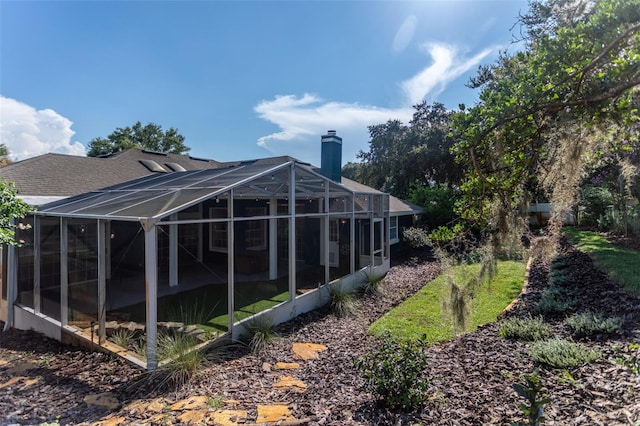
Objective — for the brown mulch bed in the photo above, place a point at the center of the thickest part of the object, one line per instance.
(471, 376)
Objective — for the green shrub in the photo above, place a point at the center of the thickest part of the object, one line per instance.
(632, 362)
(342, 301)
(531, 390)
(394, 371)
(442, 235)
(261, 333)
(415, 237)
(528, 328)
(438, 202)
(560, 277)
(589, 324)
(556, 300)
(558, 353)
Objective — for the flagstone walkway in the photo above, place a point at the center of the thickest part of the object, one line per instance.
(203, 409)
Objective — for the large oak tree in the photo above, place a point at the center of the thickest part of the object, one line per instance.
(150, 137)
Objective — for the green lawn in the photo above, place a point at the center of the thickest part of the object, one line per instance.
(622, 264)
(423, 313)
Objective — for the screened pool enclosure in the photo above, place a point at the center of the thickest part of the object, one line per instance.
(194, 253)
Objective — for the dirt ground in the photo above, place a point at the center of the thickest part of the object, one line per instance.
(471, 376)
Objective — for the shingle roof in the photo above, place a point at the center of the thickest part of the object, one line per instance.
(66, 175)
(61, 175)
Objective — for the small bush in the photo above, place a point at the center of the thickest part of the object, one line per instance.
(261, 333)
(529, 329)
(415, 237)
(394, 372)
(342, 301)
(556, 300)
(560, 277)
(558, 353)
(589, 324)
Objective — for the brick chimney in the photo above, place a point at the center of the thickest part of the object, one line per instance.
(331, 160)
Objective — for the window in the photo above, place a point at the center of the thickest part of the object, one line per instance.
(393, 229)
(333, 231)
(218, 235)
(255, 234)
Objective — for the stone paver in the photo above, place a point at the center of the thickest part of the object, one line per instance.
(12, 381)
(307, 351)
(274, 413)
(193, 417)
(105, 400)
(286, 366)
(111, 421)
(227, 417)
(192, 403)
(288, 382)
(20, 368)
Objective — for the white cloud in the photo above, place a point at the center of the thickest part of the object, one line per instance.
(28, 132)
(405, 34)
(303, 119)
(447, 66)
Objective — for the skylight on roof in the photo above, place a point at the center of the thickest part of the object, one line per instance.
(152, 166)
(175, 167)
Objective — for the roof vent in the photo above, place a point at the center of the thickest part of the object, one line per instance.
(152, 166)
(175, 167)
(146, 151)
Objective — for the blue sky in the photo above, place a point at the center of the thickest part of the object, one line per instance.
(239, 80)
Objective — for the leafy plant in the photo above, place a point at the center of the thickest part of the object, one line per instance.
(589, 323)
(438, 202)
(531, 390)
(261, 332)
(394, 371)
(415, 237)
(559, 353)
(528, 328)
(633, 362)
(342, 301)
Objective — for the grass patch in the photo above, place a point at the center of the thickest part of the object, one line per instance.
(423, 313)
(620, 263)
(528, 328)
(558, 353)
